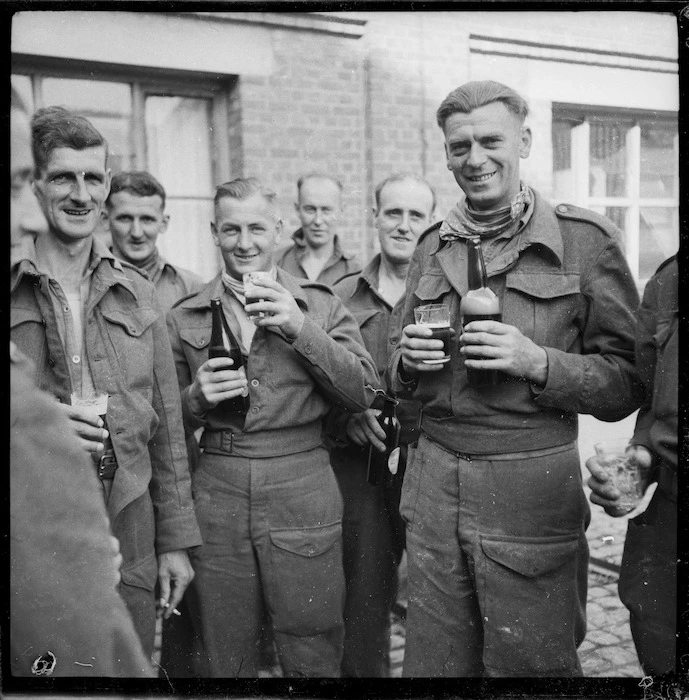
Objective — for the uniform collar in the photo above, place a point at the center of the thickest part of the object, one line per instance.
(300, 245)
(107, 269)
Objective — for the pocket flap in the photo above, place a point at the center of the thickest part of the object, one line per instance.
(307, 541)
(364, 315)
(544, 285)
(142, 573)
(26, 314)
(134, 322)
(196, 337)
(432, 287)
(531, 557)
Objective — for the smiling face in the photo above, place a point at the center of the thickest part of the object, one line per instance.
(483, 149)
(319, 208)
(404, 213)
(71, 189)
(246, 231)
(135, 224)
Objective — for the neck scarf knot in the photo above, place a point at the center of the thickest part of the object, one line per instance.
(465, 222)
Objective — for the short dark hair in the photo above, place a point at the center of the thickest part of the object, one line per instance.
(136, 182)
(315, 175)
(244, 187)
(479, 93)
(56, 127)
(400, 177)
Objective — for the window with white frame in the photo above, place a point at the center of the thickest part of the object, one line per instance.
(624, 165)
(173, 128)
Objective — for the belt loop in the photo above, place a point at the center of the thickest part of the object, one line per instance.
(231, 442)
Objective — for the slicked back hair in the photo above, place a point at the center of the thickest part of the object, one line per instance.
(242, 188)
(479, 93)
(56, 127)
(401, 177)
(137, 182)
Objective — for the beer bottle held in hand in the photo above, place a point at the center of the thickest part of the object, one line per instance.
(224, 344)
(381, 465)
(479, 304)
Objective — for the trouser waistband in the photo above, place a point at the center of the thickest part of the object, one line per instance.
(501, 456)
(266, 443)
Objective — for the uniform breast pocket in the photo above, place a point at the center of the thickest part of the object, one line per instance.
(130, 334)
(545, 306)
(432, 289)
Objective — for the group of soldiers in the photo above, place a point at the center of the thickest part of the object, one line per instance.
(259, 528)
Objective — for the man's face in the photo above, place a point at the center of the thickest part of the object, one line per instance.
(483, 150)
(319, 208)
(246, 231)
(71, 189)
(135, 224)
(26, 217)
(404, 213)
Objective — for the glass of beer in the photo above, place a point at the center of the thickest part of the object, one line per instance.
(252, 280)
(437, 318)
(626, 474)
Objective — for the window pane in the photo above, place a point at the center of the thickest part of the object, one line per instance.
(108, 106)
(659, 160)
(658, 237)
(618, 216)
(179, 153)
(563, 183)
(608, 162)
(22, 84)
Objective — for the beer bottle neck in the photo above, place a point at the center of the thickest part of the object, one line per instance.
(476, 269)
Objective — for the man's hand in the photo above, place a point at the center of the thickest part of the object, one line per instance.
(603, 492)
(174, 575)
(88, 427)
(363, 429)
(495, 345)
(214, 382)
(418, 345)
(280, 308)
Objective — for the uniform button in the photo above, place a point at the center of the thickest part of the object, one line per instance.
(76, 359)
(393, 341)
(307, 349)
(312, 550)
(65, 308)
(255, 382)
(255, 409)
(200, 342)
(562, 209)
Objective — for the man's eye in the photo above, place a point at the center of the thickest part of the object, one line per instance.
(59, 180)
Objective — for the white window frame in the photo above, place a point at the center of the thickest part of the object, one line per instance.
(632, 202)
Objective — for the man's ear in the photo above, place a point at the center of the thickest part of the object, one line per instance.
(525, 142)
(165, 222)
(279, 228)
(214, 233)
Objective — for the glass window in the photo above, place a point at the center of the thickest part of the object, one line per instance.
(179, 144)
(108, 105)
(658, 237)
(563, 183)
(608, 162)
(22, 84)
(659, 160)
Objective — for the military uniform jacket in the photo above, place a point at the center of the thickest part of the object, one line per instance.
(128, 352)
(567, 287)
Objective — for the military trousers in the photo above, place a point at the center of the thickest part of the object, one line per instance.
(497, 562)
(272, 542)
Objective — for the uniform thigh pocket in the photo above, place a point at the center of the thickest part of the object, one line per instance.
(307, 591)
(528, 596)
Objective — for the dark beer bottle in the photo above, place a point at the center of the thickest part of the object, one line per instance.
(226, 346)
(479, 304)
(378, 462)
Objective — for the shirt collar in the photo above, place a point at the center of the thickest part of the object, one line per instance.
(338, 251)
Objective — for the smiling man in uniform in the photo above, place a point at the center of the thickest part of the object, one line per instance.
(493, 499)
